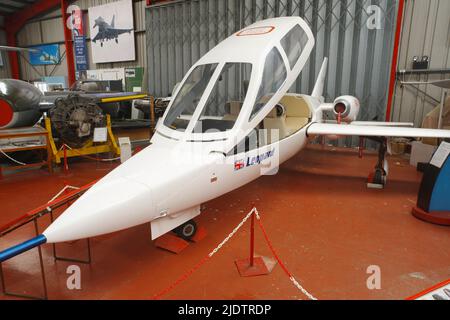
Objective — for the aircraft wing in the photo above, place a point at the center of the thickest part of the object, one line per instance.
(382, 124)
(7, 48)
(374, 131)
(97, 36)
(120, 31)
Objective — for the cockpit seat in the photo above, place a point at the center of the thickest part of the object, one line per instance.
(298, 113)
(233, 107)
(275, 124)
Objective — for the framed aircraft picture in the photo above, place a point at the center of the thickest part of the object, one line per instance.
(45, 55)
(112, 32)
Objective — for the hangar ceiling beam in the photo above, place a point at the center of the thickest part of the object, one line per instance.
(10, 7)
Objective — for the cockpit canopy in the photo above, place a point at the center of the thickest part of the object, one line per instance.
(239, 81)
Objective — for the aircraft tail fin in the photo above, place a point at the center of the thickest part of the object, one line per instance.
(320, 82)
(112, 21)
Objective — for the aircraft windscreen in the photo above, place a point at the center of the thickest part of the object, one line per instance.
(226, 98)
(274, 75)
(293, 43)
(185, 103)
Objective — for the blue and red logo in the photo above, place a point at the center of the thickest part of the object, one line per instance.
(251, 161)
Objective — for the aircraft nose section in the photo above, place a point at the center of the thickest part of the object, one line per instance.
(113, 204)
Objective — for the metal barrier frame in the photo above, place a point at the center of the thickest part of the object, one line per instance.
(44, 282)
(33, 216)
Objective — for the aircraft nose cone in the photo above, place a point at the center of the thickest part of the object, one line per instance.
(6, 113)
(114, 203)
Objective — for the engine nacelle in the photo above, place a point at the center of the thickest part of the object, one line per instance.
(346, 107)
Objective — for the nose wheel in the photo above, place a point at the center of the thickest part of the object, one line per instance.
(187, 230)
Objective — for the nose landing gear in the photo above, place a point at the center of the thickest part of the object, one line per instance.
(180, 237)
(187, 230)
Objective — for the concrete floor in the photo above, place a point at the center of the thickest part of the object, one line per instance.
(325, 225)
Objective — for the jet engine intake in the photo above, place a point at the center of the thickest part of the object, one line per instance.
(346, 108)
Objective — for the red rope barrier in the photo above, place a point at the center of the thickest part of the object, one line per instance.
(252, 213)
(181, 279)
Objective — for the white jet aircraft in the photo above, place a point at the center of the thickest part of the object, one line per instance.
(230, 121)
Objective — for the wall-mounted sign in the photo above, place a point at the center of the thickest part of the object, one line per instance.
(45, 54)
(80, 49)
(112, 32)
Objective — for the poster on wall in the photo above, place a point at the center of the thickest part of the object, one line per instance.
(112, 32)
(79, 40)
(44, 54)
(79, 43)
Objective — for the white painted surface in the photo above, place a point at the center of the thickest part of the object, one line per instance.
(181, 170)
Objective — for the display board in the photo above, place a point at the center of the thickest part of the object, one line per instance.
(112, 32)
(44, 54)
(133, 79)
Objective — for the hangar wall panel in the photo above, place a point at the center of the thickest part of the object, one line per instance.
(426, 32)
(180, 32)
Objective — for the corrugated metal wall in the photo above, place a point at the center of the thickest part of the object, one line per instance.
(178, 33)
(426, 32)
(48, 29)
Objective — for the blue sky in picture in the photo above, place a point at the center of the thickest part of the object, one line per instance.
(45, 54)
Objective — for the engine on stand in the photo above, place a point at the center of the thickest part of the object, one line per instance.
(74, 119)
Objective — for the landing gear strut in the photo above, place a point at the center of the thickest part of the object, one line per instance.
(378, 178)
(187, 230)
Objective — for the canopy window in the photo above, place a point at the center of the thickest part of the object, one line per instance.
(226, 98)
(274, 75)
(188, 97)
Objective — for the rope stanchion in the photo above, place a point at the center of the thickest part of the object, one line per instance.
(66, 165)
(291, 277)
(253, 212)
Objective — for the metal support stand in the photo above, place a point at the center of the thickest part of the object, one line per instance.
(152, 115)
(56, 257)
(44, 282)
(66, 166)
(377, 179)
(361, 147)
(87, 261)
(32, 216)
(441, 107)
